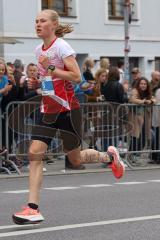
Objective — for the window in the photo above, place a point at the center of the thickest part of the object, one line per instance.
(116, 9)
(61, 6)
(157, 63)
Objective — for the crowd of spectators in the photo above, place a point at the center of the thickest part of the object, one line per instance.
(13, 87)
(106, 84)
(141, 93)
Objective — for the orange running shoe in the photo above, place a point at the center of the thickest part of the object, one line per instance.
(117, 165)
(27, 216)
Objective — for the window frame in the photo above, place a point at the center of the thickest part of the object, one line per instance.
(65, 13)
(134, 11)
(113, 10)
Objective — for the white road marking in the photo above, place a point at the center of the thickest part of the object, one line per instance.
(86, 186)
(155, 181)
(130, 183)
(17, 191)
(97, 185)
(18, 226)
(81, 225)
(61, 188)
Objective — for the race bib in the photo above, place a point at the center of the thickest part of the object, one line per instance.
(47, 86)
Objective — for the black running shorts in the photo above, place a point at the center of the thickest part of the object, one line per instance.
(67, 123)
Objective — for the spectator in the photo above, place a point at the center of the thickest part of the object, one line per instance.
(3, 90)
(100, 80)
(82, 89)
(2, 60)
(27, 94)
(18, 73)
(155, 81)
(114, 93)
(96, 96)
(113, 90)
(12, 93)
(7, 98)
(87, 67)
(24, 92)
(4, 86)
(10, 64)
(140, 115)
(120, 66)
(136, 74)
(155, 86)
(105, 63)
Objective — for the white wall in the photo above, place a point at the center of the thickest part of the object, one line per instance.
(93, 33)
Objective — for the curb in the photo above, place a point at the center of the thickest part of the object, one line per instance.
(73, 172)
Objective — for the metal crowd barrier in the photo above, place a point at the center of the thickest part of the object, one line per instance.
(134, 129)
(1, 116)
(2, 156)
(20, 119)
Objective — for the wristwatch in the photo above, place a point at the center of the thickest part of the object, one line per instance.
(51, 68)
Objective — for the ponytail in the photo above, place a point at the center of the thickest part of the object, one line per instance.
(63, 29)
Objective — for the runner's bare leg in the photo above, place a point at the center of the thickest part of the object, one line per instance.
(36, 153)
(78, 157)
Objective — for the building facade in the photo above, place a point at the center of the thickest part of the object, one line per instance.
(98, 29)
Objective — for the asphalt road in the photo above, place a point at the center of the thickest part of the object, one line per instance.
(87, 207)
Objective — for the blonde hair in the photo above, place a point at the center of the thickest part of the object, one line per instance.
(2, 62)
(99, 72)
(104, 63)
(62, 29)
(88, 63)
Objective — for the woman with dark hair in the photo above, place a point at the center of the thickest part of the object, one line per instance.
(140, 115)
(144, 90)
(114, 93)
(113, 90)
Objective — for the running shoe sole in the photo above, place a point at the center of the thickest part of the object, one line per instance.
(25, 221)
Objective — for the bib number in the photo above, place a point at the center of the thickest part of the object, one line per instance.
(47, 86)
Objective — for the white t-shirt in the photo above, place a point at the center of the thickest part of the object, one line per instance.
(57, 94)
(121, 80)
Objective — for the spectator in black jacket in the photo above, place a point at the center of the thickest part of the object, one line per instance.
(114, 93)
(87, 67)
(113, 90)
(18, 73)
